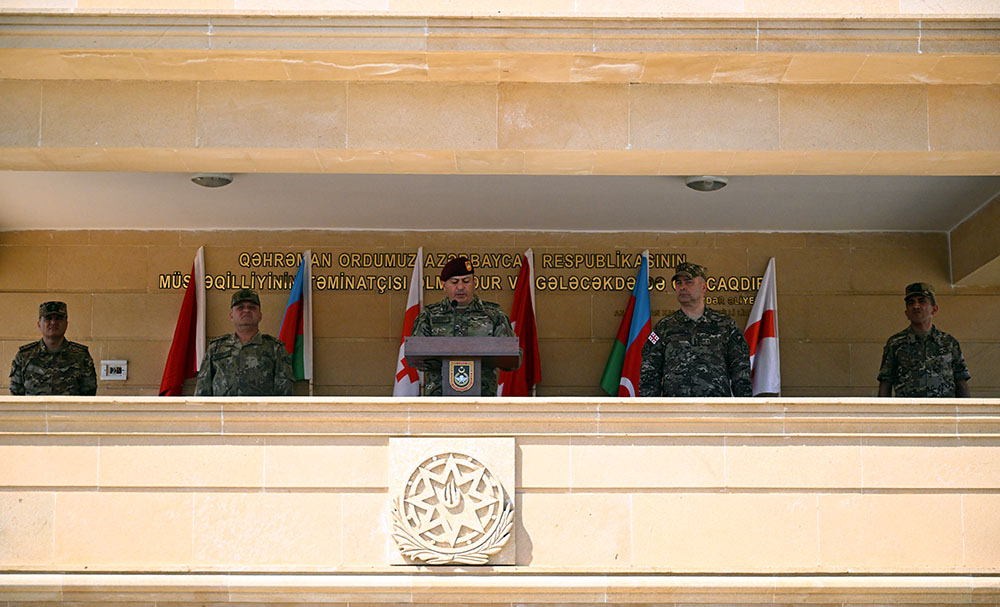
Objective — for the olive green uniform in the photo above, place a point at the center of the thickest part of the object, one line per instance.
(478, 319)
(260, 367)
(68, 371)
(923, 365)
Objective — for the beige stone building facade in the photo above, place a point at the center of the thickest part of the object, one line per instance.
(824, 496)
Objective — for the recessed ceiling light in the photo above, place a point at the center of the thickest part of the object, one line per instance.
(212, 180)
(706, 183)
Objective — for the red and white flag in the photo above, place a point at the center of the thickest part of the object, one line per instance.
(762, 336)
(521, 381)
(407, 377)
(188, 346)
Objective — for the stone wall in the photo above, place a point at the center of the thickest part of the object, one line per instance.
(549, 8)
(828, 501)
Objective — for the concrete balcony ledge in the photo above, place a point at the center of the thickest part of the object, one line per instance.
(707, 31)
(497, 587)
(143, 500)
(346, 416)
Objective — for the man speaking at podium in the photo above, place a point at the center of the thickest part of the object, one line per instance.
(460, 314)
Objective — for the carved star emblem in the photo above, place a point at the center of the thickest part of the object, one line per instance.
(450, 500)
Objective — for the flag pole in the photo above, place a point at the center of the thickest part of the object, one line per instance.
(307, 320)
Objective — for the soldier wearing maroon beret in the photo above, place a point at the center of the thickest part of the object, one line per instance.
(460, 313)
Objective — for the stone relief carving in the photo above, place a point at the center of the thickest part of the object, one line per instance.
(452, 510)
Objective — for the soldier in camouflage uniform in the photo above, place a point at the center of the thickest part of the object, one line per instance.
(53, 365)
(247, 362)
(695, 351)
(460, 313)
(920, 360)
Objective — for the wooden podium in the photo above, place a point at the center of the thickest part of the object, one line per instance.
(461, 359)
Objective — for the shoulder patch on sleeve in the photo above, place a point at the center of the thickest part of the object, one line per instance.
(277, 343)
(653, 337)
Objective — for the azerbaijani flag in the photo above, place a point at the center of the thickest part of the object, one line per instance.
(296, 327)
(621, 374)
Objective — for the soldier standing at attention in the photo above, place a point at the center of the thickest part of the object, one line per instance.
(247, 362)
(921, 361)
(461, 313)
(53, 365)
(695, 351)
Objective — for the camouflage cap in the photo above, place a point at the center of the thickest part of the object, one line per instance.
(919, 288)
(245, 295)
(690, 270)
(52, 307)
(460, 266)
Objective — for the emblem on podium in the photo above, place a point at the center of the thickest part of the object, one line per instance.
(461, 375)
(452, 510)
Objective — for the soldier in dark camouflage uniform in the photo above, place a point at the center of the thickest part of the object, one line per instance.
(460, 313)
(53, 365)
(695, 351)
(920, 360)
(247, 362)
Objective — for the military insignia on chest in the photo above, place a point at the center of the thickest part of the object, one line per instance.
(461, 375)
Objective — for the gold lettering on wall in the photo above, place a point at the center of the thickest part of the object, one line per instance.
(270, 259)
(487, 281)
(618, 259)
